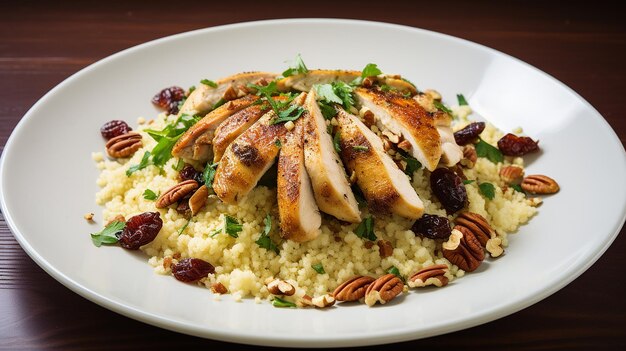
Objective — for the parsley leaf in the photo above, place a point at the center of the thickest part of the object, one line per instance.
(108, 235)
(219, 103)
(150, 195)
(468, 181)
(484, 149)
(179, 165)
(298, 67)
(145, 162)
(360, 148)
(366, 229)
(283, 113)
(518, 188)
(337, 142)
(291, 113)
(278, 302)
(412, 164)
(370, 70)
(210, 83)
(191, 89)
(488, 190)
(328, 111)
(336, 92)
(358, 195)
(264, 239)
(395, 271)
(442, 107)
(278, 143)
(208, 174)
(461, 99)
(318, 268)
(232, 226)
(181, 230)
(327, 93)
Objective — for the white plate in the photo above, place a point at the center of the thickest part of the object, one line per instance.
(48, 179)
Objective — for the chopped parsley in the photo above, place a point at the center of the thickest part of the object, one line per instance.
(488, 190)
(179, 165)
(336, 92)
(210, 83)
(370, 70)
(150, 195)
(264, 239)
(360, 148)
(278, 143)
(291, 113)
(298, 67)
(517, 188)
(145, 162)
(395, 271)
(209, 174)
(109, 235)
(181, 230)
(278, 302)
(337, 142)
(366, 229)
(219, 103)
(442, 107)
(328, 111)
(468, 181)
(319, 268)
(461, 99)
(232, 226)
(283, 112)
(358, 195)
(191, 89)
(412, 164)
(484, 149)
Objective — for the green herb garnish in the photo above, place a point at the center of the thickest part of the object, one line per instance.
(319, 268)
(488, 190)
(518, 188)
(191, 89)
(284, 113)
(264, 239)
(298, 67)
(461, 99)
(408, 81)
(337, 142)
(179, 165)
(278, 143)
(219, 103)
(442, 107)
(336, 92)
(150, 195)
(484, 149)
(468, 181)
(209, 174)
(366, 229)
(109, 235)
(360, 148)
(370, 70)
(395, 271)
(232, 226)
(328, 110)
(278, 302)
(181, 230)
(412, 164)
(291, 113)
(358, 195)
(145, 162)
(210, 83)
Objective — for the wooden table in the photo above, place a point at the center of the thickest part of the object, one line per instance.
(41, 44)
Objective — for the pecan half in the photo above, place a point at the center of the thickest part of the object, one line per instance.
(124, 145)
(383, 289)
(384, 248)
(463, 249)
(352, 289)
(539, 184)
(494, 247)
(175, 193)
(477, 224)
(469, 156)
(198, 199)
(431, 275)
(512, 174)
(280, 287)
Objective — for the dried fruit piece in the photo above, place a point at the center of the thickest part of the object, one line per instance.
(124, 145)
(432, 226)
(512, 145)
(189, 172)
(169, 98)
(352, 289)
(449, 189)
(192, 269)
(431, 275)
(140, 230)
(469, 134)
(463, 249)
(539, 184)
(511, 174)
(384, 248)
(383, 289)
(114, 128)
(176, 193)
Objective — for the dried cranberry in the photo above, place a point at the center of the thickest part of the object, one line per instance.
(190, 173)
(141, 230)
(169, 98)
(191, 269)
(449, 189)
(114, 128)
(512, 145)
(469, 133)
(433, 227)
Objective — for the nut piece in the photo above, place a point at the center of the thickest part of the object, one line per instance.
(198, 200)
(124, 145)
(494, 247)
(540, 184)
(477, 224)
(89, 216)
(305, 301)
(383, 289)
(230, 94)
(384, 248)
(176, 193)
(323, 301)
(405, 145)
(431, 275)
(280, 287)
(219, 288)
(469, 156)
(463, 249)
(367, 116)
(167, 262)
(534, 201)
(352, 289)
(512, 174)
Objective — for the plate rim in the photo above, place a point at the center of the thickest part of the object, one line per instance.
(333, 341)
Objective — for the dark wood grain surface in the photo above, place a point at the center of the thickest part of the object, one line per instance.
(42, 43)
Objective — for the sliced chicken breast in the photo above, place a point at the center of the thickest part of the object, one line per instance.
(203, 99)
(328, 177)
(236, 124)
(248, 157)
(195, 143)
(404, 116)
(306, 81)
(299, 215)
(385, 187)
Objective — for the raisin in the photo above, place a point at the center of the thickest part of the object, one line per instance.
(191, 269)
(188, 172)
(469, 133)
(433, 227)
(449, 189)
(114, 128)
(512, 145)
(169, 98)
(141, 230)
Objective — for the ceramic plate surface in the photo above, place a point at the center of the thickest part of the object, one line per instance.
(48, 179)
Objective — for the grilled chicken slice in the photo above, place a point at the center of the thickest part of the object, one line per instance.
(203, 99)
(232, 127)
(404, 116)
(385, 187)
(328, 177)
(195, 143)
(248, 157)
(306, 81)
(451, 153)
(300, 218)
